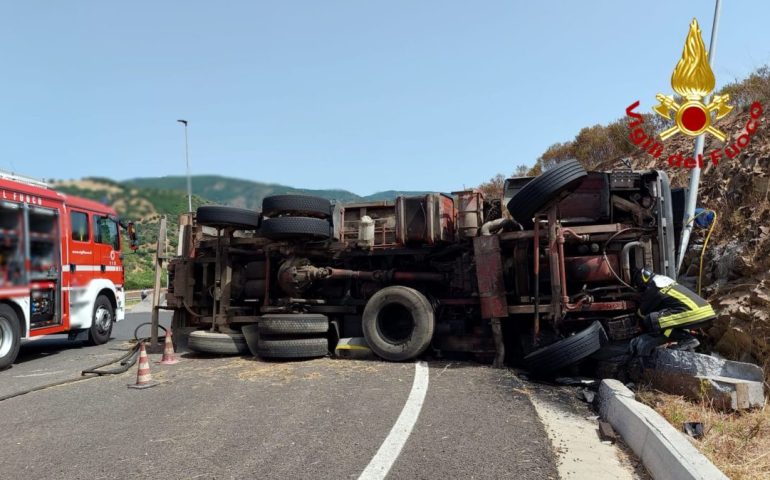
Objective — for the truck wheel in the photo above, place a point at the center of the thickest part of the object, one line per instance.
(204, 341)
(101, 322)
(545, 190)
(398, 323)
(293, 348)
(567, 351)
(290, 324)
(298, 205)
(10, 336)
(219, 217)
(287, 228)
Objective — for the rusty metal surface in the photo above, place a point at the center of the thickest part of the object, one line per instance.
(592, 268)
(447, 216)
(427, 219)
(489, 274)
(554, 262)
(607, 306)
(579, 229)
(517, 309)
(470, 212)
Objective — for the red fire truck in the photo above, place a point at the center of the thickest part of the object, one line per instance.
(61, 268)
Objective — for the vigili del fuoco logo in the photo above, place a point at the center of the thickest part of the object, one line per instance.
(693, 80)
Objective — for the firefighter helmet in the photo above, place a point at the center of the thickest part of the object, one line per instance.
(642, 277)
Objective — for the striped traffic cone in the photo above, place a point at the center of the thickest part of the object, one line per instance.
(168, 351)
(143, 375)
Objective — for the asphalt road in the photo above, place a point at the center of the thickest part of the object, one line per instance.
(241, 417)
(53, 358)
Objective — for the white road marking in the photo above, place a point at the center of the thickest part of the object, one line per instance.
(41, 374)
(390, 449)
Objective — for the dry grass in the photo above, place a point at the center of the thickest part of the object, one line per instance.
(737, 443)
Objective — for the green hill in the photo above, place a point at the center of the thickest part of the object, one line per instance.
(146, 200)
(247, 193)
(144, 206)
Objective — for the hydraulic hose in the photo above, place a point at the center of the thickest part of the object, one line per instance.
(126, 361)
(705, 243)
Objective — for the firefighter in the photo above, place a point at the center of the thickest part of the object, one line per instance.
(667, 311)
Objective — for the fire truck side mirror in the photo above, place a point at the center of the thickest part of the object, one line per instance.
(132, 236)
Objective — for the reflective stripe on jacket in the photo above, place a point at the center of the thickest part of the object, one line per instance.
(676, 306)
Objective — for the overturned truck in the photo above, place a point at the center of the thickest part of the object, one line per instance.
(541, 275)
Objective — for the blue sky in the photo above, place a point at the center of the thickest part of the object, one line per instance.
(361, 95)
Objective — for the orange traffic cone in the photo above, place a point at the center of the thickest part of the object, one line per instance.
(143, 375)
(168, 351)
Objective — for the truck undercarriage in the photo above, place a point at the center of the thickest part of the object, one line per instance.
(447, 273)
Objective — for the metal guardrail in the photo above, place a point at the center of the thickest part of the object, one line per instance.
(136, 295)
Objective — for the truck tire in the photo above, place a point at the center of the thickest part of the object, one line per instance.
(567, 351)
(204, 341)
(288, 228)
(293, 348)
(297, 205)
(101, 321)
(291, 324)
(10, 336)
(398, 323)
(219, 216)
(256, 270)
(545, 190)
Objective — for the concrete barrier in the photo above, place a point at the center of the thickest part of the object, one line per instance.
(666, 453)
(726, 384)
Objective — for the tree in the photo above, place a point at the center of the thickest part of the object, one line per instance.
(493, 188)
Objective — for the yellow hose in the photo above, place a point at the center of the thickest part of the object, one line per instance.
(705, 243)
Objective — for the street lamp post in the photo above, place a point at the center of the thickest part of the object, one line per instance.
(187, 161)
(692, 195)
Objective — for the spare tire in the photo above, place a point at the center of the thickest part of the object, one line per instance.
(398, 323)
(293, 323)
(543, 191)
(288, 228)
(567, 351)
(293, 348)
(204, 341)
(298, 205)
(219, 216)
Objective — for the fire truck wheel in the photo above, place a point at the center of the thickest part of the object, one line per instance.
(10, 336)
(204, 341)
(293, 323)
(567, 351)
(101, 323)
(220, 217)
(398, 323)
(288, 228)
(546, 189)
(293, 348)
(299, 205)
